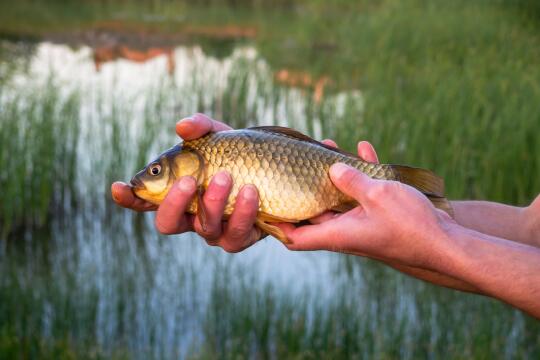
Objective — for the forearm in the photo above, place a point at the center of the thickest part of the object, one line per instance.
(500, 268)
(499, 220)
(425, 274)
(435, 278)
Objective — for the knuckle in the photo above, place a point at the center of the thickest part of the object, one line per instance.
(211, 233)
(212, 242)
(376, 192)
(383, 189)
(351, 179)
(165, 229)
(237, 233)
(392, 187)
(214, 194)
(229, 248)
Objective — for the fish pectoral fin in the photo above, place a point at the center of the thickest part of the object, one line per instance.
(201, 210)
(272, 230)
(272, 218)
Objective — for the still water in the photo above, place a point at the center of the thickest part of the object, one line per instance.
(102, 278)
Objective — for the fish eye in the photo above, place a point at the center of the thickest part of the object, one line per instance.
(154, 169)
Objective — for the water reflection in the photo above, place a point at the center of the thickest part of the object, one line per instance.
(304, 80)
(136, 289)
(110, 53)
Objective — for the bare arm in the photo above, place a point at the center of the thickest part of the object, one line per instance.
(435, 277)
(521, 224)
(500, 268)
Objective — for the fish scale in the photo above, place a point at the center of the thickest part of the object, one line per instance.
(291, 175)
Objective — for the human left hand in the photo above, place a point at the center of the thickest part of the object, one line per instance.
(233, 235)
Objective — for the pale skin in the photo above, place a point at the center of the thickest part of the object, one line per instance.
(490, 249)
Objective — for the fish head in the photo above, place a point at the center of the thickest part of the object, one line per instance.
(155, 180)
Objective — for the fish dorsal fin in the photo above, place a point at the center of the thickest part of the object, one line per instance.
(285, 131)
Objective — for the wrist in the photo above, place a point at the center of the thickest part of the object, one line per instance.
(530, 220)
(439, 244)
(449, 247)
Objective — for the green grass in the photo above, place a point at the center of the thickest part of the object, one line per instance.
(38, 136)
(451, 86)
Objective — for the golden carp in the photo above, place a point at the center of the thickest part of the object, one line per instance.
(289, 169)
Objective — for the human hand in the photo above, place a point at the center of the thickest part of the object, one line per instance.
(234, 235)
(367, 153)
(394, 223)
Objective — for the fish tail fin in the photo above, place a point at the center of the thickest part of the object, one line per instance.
(426, 182)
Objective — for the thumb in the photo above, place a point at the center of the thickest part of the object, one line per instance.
(350, 181)
(193, 127)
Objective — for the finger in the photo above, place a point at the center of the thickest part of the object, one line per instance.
(123, 196)
(367, 152)
(171, 217)
(330, 142)
(329, 214)
(310, 237)
(240, 232)
(198, 125)
(351, 182)
(214, 201)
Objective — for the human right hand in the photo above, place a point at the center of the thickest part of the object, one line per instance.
(394, 222)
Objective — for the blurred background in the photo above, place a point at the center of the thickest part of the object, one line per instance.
(91, 90)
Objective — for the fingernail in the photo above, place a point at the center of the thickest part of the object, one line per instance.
(249, 192)
(186, 184)
(221, 179)
(186, 121)
(114, 188)
(329, 142)
(337, 170)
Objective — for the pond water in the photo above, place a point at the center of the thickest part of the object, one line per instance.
(89, 276)
(196, 78)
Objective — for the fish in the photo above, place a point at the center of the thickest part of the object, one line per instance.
(289, 169)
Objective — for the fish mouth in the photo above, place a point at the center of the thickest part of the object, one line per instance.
(137, 183)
